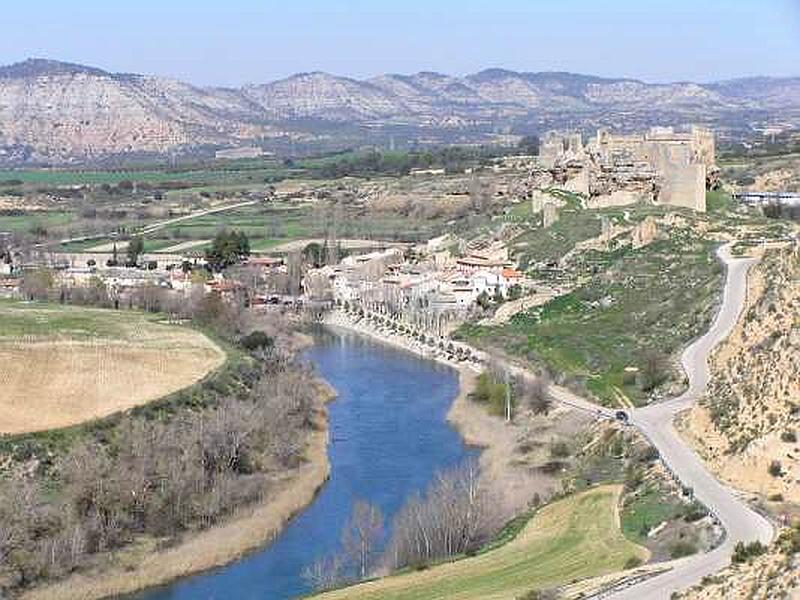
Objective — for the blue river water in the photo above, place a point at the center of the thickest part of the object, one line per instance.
(389, 436)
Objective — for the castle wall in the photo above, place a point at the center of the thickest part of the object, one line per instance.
(685, 186)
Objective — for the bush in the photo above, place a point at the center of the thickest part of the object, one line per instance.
(789, 540)
(559, 450)
(257, 340)
(775, 468)
(789, 436)
(632, 563)
(695, 512)
(649, 455)
(743, 552)
(681, 549)
(539, 595)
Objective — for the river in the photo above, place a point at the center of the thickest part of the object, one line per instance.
(388, 438)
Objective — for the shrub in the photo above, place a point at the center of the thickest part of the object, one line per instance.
(681, 549)
(743, 552)
(649, 454)
(695, 512)
(775, 468)
(559, 450)
(789, 540)
(632, 563)
(539, 595)
(257, 340)
(789, 436)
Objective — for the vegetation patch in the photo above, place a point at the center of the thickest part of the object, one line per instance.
(571, 539)
(615, 333)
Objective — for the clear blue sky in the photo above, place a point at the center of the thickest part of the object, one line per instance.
(232, 42)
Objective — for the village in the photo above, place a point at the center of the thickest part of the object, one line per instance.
(433, 284)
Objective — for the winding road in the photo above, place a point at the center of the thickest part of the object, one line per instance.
(741, 523)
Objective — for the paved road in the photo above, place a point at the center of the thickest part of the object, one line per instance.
(740, 522)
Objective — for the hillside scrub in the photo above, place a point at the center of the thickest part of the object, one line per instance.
(639, 307)
(181, 464)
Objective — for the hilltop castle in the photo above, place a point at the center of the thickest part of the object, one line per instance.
(661, 165)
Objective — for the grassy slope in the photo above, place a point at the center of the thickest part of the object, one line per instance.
(658, 297)
(571, 539)
(24, 223)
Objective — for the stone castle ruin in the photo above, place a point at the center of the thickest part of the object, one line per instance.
(660, 166)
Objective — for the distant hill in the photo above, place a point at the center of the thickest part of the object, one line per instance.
(62, 112)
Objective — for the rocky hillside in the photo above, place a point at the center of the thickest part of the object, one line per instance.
(748, 425)
(59, 111)
(773, 574)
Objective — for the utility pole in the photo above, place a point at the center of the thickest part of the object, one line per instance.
(508, 397)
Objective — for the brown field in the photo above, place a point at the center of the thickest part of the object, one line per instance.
(55, 380)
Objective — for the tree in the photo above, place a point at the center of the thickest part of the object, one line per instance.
(36, 284)
(654, 370)
(324, 573)
(314, 254)
(135, 248)
(494, 390)
(294, 269)
(257, 340)
(483, 300)
(454, 516)
(361, 535)
(480, 195)
(535, 393)
(228, 248)
(529, 144)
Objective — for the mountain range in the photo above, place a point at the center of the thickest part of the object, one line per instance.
(59, 112)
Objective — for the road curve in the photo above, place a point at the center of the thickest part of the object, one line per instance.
(741, 523)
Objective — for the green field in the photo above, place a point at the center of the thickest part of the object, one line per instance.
(34, 220)
(572, 539)
(647, 510)
(38, 320)
(269, 225)
(199, 177)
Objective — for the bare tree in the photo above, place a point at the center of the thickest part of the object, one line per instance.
(454, 516)
(480, 194)
(535, 393)
(361, 535)
(654, 370)
(324, 573)
(294, 269)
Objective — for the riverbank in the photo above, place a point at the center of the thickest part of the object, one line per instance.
(514, 476)
(146, 564)
(362, 326)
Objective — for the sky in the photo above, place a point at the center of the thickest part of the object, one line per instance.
(233, 42)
